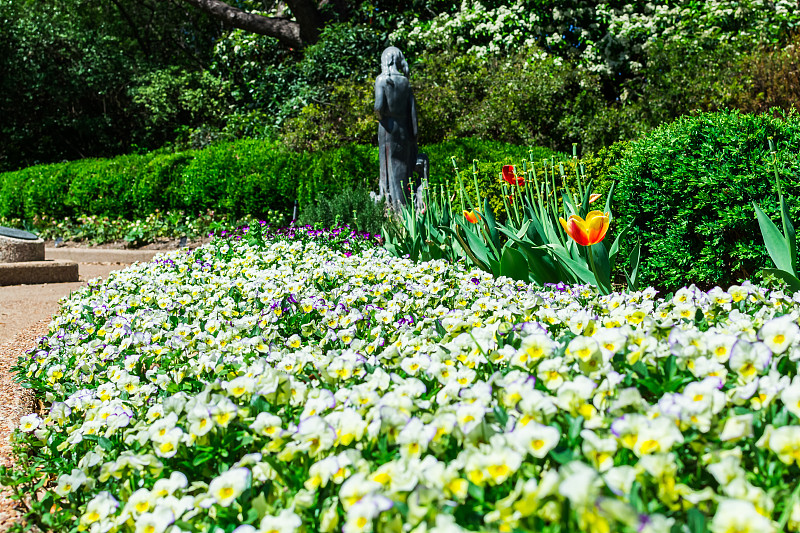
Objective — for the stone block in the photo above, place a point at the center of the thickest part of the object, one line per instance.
(14, 250)
(36, 272)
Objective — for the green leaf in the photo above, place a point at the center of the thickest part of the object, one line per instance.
(259, 503)
(490, 223)
(475, 491)
(480, 263)
(494, 267)
(517, 234)
(201, 458)
(633, 277)
(614, 250)
(501, 415)
(788, 231)
(670, 367)
(602, 267)
(514, 265)
(475, 243)
(575, 427)
(610, 194)
(252, 516)
(635, 497)
(542, 267)
(561, 455)
(641, 369)
(696, 520)
(569, 206)
(186, 526)
(580, 270)
(791, 280)
(536, 232)
(776, 244)
(587, 194)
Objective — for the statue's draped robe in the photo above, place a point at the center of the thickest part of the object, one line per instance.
(397, 136)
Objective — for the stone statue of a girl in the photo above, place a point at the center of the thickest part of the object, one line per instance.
(397, 127)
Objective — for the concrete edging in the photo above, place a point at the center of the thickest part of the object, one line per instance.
(36, 272)
(101, 255)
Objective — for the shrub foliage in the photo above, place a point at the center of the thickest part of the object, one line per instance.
(688, 187)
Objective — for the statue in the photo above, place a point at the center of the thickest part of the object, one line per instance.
(397, 128)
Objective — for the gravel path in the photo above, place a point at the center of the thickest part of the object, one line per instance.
(15, 402)
(25, 313)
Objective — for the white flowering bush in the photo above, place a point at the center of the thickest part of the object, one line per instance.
(604, 37)
(474, 29)
(269, 386)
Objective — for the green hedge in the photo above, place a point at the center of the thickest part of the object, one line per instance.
(689, 186)
(239, 178)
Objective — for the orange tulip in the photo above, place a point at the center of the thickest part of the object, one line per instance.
(594, 197)
(589, 231)
(471, 216)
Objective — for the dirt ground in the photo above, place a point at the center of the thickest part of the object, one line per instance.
(25, 312)
(158, 244)
(24, 305)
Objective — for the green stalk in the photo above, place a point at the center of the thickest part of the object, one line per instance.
(514, 202)
(591, 265)
(505, 199)
(475, 180)
(775, 167)
(414, 222)
(566, 186)
(554, 200)
(579, 179)
(426, 215)
(535, 182)
(460, 185)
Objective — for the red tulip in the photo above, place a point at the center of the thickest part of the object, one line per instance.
(510, 177)
(472, 216)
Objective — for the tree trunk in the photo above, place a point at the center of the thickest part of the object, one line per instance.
(307, 15)
(295, 34)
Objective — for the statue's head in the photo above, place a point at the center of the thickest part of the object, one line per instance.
(393, 57)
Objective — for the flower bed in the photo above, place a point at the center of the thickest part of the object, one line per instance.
(272, 386)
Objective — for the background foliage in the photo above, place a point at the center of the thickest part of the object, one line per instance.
(82, 79)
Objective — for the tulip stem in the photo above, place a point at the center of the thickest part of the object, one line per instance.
(602, 287)
(591, 265)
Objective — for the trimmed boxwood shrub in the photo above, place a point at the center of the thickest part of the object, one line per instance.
(244, 177)
(247, 177)
(330, 171)
(689, 186)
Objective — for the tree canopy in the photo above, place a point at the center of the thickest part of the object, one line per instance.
(80, 78)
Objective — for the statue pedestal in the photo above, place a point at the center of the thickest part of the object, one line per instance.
(22, 261)
(14, 250)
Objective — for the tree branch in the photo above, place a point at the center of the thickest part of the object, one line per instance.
(286, 31)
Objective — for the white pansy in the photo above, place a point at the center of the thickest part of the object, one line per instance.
(29, 423)
(226, 487)
(779, 333)
(740, 516)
